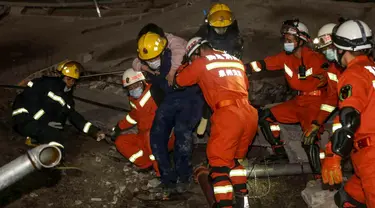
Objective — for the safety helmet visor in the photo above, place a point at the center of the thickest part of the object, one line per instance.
(220, 19)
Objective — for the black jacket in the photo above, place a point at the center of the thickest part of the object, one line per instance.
(230, 41)
(45, 101)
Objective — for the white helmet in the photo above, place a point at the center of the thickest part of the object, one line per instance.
(352, 35)
(324, 37)
(130, 77)
(297, 28)
(193, 45)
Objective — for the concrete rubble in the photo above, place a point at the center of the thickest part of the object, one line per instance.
(316, 197)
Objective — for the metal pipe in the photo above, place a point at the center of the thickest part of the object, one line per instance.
(201, 175)
(42, 156)
(102, 74)
(254, 171)
(260, 170)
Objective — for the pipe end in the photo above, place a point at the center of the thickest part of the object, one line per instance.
(45, 156)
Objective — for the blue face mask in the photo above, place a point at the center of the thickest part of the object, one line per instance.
(289, 47)
(330, 54)
(136, 93)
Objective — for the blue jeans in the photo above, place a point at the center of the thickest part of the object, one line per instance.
(183, 114)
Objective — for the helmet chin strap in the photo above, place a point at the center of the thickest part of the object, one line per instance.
(339, 58)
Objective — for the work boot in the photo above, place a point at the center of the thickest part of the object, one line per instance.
(31, 142)
(166, 191)
(182, 187)
(242, 201)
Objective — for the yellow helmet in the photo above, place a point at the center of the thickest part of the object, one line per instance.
(150, 46)
(220, 19)
(70, 68)
(218, 7)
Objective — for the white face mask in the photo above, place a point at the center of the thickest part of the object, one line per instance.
(289, 47)
(136, 93)
(330, 54)
(154, 64)
(220, 30)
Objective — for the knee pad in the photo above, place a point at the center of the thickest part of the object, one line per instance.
(265, 125)
(343, 199)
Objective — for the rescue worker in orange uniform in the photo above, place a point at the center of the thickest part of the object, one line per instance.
(303, 73)
(354, 127)
(323, 43)
(225, 87)
(136, 147)
(221, 31)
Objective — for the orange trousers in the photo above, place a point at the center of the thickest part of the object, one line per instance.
(361, 186)
(301, 110)
(232, 131)
(137, 148)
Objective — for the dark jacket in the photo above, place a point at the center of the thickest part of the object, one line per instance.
(45, 101)
(230, 41)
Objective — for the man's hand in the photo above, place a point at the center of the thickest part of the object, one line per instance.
(170, 77)
(331, 167)
(100, 136)
(309, 135)
(147, 69)
(322, 79)
(144, 67)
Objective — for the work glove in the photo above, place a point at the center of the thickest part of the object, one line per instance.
(331, 167)
(309, 136)
(115, 132)
(100, 136)
(322, 79)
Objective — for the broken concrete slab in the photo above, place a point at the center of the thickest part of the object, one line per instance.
(316, 197)
(103, 117)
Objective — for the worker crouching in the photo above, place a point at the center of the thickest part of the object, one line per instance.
(136, 146)
(42, 109)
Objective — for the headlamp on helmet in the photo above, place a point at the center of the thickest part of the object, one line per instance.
(296, 28)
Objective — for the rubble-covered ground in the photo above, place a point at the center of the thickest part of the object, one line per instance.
(32, 42)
